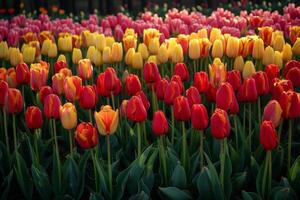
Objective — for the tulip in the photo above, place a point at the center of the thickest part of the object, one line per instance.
(52, 106)
(85, 69)
(76, 55)
(199, 117)
(266, 34)
(59, 65)
(292, 71)
(45, 47)
(262, 83)
(3, 73)
(67, 72)
(143, 50)
(193, 96)
(211, 92)
(129, 42)
(72, 87)
(137, 61)
(14, 101)
(44, 92)
(278, 59)
(88, 97)
(162, 53)
(181, 110)
(234, 78)
(177, 54)
(217, 49)
(280, 86)
(29, 54)
(248, 90)
(220, 125)
(215, 34)
(100, 41)
(58, 83)
(225, 98)
(132, 84)
(183, 40)
(33, 117)
(286, 53)
(106, 55)
(177, 79)
(159, 123)
(3, 50)
(290, 104)
(239, 63)
(232, 47)
(268, 56)
(52, 51)
(272, 112)
(258, 49)
(217, 73)
(160, 88)
(14, 56)
(268, 136)
(249, 69)
(201, 81)
(86, 135)
(123, 108)
(91, 51)
(38, 76)
(153, 45)
(129, 56)
(11, 78)
(62, 57)
(3, 93)
(135, 109)
(194, 49)
(172, 91)
(278, 43)
(68, 116)
(97, 58)
(181, 70)
(117, 52)
(296, 47)
(151, 73)
(272, 72)
(110, 79)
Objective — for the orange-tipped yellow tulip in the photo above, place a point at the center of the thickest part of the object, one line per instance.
(258, 49)
(232, 47)
(239, 63)
(107, 120)
(177, 54)
(117, 52)
(68, 116)
(217, 72)
(129, 42)
(266, 34)
(202, 33)
(215, 33)
(142, 48)
(76, 55)
(296, 47)
(194, 49)
(162, 54)
(52, 51)
(85, 69)
(154, 45)
(287, 52)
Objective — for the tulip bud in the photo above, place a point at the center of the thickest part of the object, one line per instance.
(153, 45)
(273, 112)
(194, 49)
(160, 88)
(249, 69)
(193, 96)
(58, 83)
(217, 49)
(33, 117)
(85, 69)
(117, 52)
(278, 43)
(162, 53)
(232, 47)
(91, 50)
(239, 63)
(292, 72)
(86, 135)
(280, 86)
(287, 52)
(268, 136)
(11, 78)
(22, 73)
(139, 114)
(159, 123)
(52, 51)
(97, 58)
(45, 47)
(132, 84)
(181, 70)
(290, 104)
(68, 116)
(199, 117)
(137, 61)
(262, 83)
(220, 125)
(217, 73)
(44, 92)
(100, 41)
(76, 55)
(72, 87)
(151, 73)
(3, 50)
(3, 93)
(38, 76)
(51, 106)
(60, 65)
(234, 78)
(129, 56)
(272, 71)
(181, 109)
(110, 79)
(258, 49)
(278, 59)
(202, 33)
(14, 56)
(248, 90)
(14, 101)
(177, 54)
(201, 81)
(29, 54)
(88, 97)
(215, 34)
(62, 57)
(268, 56)
(143, 50)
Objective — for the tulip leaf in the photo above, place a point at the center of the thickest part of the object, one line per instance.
(71, 177)
(282, 193)
(278, 159)
(262, 184)
(140, 196)
(227, 176)
(56, 180)
(5, 186)
(82, 167)
(178, 178)
(41, 181)
(239, 180)
(205, 185)
(142, 187)
(294, 173)
(250, 196)
(5, 160)
(175, 193)
(121, 183)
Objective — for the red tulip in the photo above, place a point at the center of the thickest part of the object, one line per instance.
(22, 73)
(160, 88)
(234, 78)
(3, 73)
(292, 72)
(11, 78)
(247, 92)
(181, 70)
(177, 79)
(193, 96)
(268, 136)
(290, 104)
(159, 123)
(100, 86)
(151, 73)
(123, 108)
(110, 79)
(59, 65)
(262, 82)
(44, 92)
(3, 93)
(273, 72)
(290, 65)
(181, 110)
(199, 117)
(220, 125)
(201, 81)
(211, 93)
(280, 86)
(14, 101)
(51, 106)
(58, 83)
(135, 109)
(132, 84)
(72, 87)
(33, 117)
(172, 91)
(144, 99)
(88, 97)
(273, 112)
(225, 98)
(86, 135)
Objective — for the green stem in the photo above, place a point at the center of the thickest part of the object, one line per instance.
(259, 110)
(15, 134)
(173, 124)
(139, 140)
(23, 94)
(94, 157)
(222, 155)
(36, 144)
(244, 118)
(163, 157)
(70, 142)
(270, 171)
(91, 116)
(195, 66)
(56, 151)
(113, 99)
(5, 130)
(201, 150)
(109, 165)
(250, 127)
(279, 132)
(289, 144)
(184, 146)
(236, 131)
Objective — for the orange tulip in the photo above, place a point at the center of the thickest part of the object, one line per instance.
(107, 120)
(85, 69)
(72, 87)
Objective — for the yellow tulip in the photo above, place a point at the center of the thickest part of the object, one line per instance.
(29, 54)
(268, 57)
(177, 54)
(239, 63)
(14, 56)
(202, 33)
(106, 55)
(97, 58)
(62, 57)
(129, 42)
(90, 52)
(68, 44)
(45, 47)
(137, 60)
(278, 43)
(217, 49)
(68, 116)
(296, 47)
(91, 39)
(258, 49)
(205, 45)
(153, 45)
(217, 72)
(149, 34)
(215, 33)
(142, 48)
(109, 41)
(162, 54)
(286, 53)
(117, 52)
(278, 59)
(153, 59)
(129, 56)
(249, 69)
(100, 41)
(3, 50)
(194, 49)
(76, 55)
(232, 47)
(60, 43)
(52, 51)
(107, 120)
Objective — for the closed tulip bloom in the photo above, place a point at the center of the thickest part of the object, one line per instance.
(3, 50)
(29, 54)
(123, 108)
(268, 56)
(129, 56)
(58, 83)
(14, 101)
(217, 49)
(217, 73)
(193, 96)
(11, 77)
(85, 69)
(110, 79)
(162, 53)
(249, 69)
(153, 59)
(86, 135)
(201, 81)
(181, 109)
(129, 42)
(177, 79)
(234, 78)
(72, 87)
(266, 34)
(287, 53)
(144, 99)
(97, 58)
(258, 49)
(33, 117)
(205, 45)
(278, 59)
(151, 73)
(51, 106)
(215, 34)
(14, 56)
(44, 92)
(181, 70)
(177, 54)
(106, 55)
(194, 49)
(250, 91)
(268, 136)
(262, 82)
(199, 117)
(278, 43)
(60, 65)
(100, 41)
(160, 88)
(62, 57)
(211, 92)
(67, 72)
(3, 73)
(135, 109)
(273, 112)
(232, 47)
(76, 55)
(137, 61)
(100, 86)
(292, 72)
(52, 51)
(3, 93)
(220, 125)
(45, 47)
(91, 51)
(68, 116)
(290, 104)
(159, 123)
(117, 52)
(38, 76)
(88, 97)
(296, 47)
(280, 86)
(132, 84)
(224, 96)
(239, 63)
(272, 72)
(153, 45)
(143, 50)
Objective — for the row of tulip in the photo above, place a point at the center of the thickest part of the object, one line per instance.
(200, 132)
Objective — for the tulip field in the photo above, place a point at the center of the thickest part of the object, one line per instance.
(184, 106)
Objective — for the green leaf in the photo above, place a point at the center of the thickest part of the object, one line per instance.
(82, 167)
(41, 182)
(140, 196)
(56, 180)
(71, 177)
(178, 178)
(204, 184)
(5, 186)
(282, 193)
(250, 196)
(294, 174)
(239, 180)
(262, 184)
(175, 193)
(227, 176)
